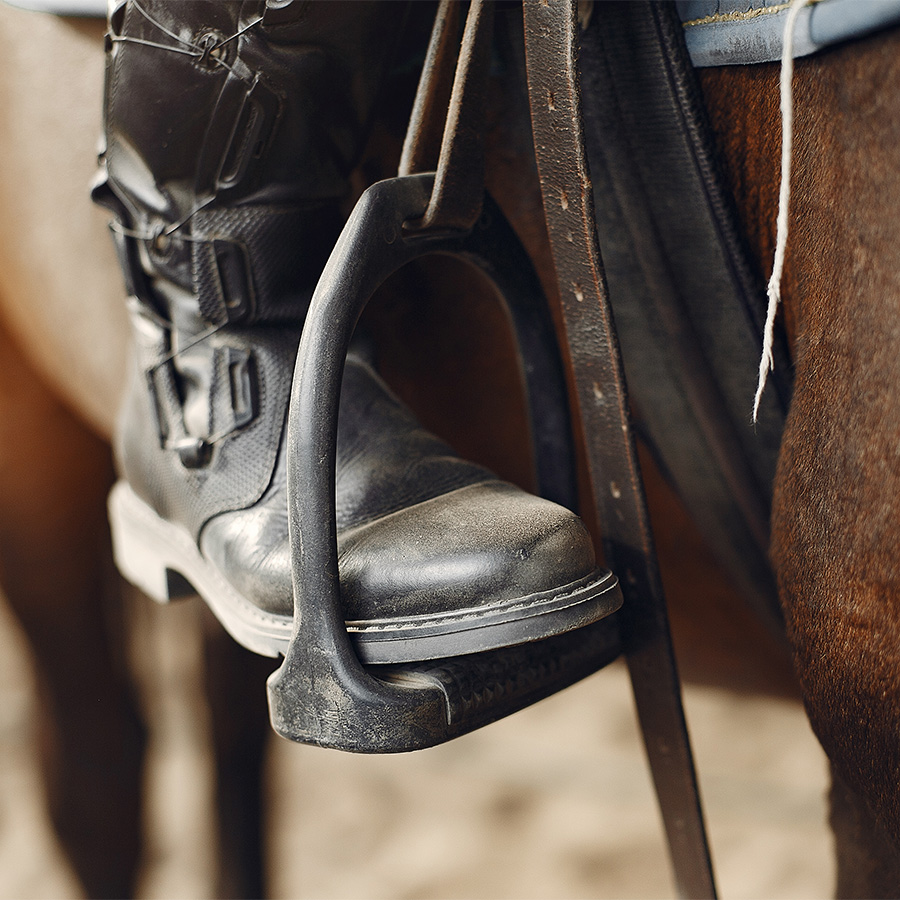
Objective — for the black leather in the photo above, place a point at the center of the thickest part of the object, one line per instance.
(688, 305)
(226, 173)
(420, 531)
(231, 129)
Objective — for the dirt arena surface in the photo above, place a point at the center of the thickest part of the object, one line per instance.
(554, 802)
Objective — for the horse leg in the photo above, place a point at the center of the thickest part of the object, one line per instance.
(867, 862)
(57, 575)
(836, 515)
(47, 216)
(239, 721)
(836, 521)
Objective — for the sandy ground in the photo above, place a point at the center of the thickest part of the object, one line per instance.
(554, 802)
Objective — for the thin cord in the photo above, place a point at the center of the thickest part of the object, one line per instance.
(237, 34)
(767, 362)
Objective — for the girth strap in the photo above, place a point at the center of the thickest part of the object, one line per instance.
(688, 303)
(601, 404)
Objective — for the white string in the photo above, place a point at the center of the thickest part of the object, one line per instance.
(766, 362)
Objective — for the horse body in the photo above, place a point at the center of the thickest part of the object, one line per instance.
(836, 513)
(55, 257)
(835, 517)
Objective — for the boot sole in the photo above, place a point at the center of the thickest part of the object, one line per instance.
(163, 561)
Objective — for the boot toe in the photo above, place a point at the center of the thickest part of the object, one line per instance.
(483, 566)
(252, 551)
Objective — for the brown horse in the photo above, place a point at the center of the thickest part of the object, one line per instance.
(835, 519)
(59, 391)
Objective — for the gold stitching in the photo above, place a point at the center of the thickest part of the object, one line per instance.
(738, 16)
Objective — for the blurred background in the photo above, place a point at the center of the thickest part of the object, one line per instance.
(554, 802)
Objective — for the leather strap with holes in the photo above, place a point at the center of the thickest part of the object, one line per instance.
(601, 403)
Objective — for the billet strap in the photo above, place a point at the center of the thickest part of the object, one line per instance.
(601, 403)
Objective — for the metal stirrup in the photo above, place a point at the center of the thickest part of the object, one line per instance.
(322, 694)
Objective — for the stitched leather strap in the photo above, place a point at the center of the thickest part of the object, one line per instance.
(601, 404)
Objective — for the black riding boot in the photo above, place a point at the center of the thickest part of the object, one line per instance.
(231, 129)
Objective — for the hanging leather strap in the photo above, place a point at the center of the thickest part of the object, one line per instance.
(601, 403)
(452, 145)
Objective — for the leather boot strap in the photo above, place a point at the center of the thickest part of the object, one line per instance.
(601, 404)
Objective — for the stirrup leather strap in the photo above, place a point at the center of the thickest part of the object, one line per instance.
(602, 405)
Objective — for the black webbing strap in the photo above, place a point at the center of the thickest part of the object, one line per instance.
(688, 303)
(602, 406)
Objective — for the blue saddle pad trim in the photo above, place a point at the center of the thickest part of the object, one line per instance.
(717, 32)
(738, 32)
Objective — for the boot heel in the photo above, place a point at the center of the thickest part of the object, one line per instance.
(141, 554)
